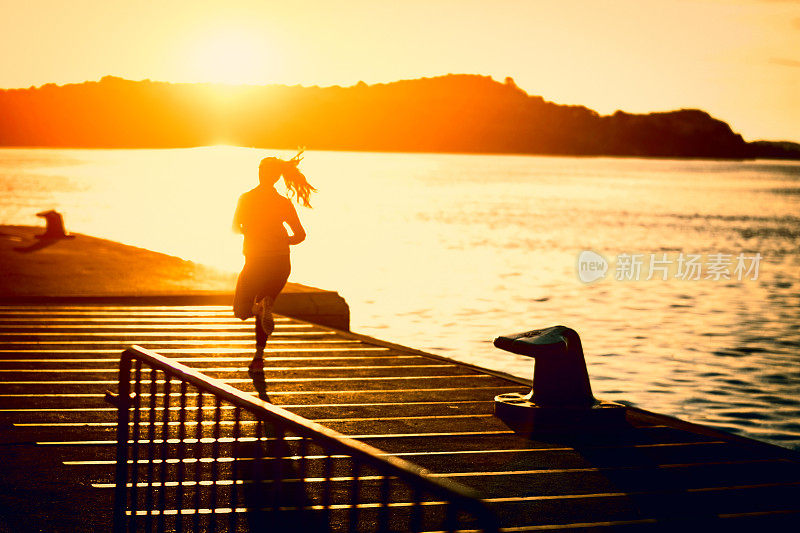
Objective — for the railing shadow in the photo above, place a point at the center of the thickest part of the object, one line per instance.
(273, 487)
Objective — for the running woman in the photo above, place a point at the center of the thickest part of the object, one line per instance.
(260, 217)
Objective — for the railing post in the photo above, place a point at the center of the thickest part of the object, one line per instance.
(122, 402)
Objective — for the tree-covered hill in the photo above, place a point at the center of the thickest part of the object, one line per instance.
(454, 113)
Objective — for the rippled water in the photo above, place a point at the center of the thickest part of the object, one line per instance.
(445, 252)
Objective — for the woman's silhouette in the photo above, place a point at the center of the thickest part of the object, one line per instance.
(260, 217)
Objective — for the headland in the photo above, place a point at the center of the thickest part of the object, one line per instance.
(457, 113)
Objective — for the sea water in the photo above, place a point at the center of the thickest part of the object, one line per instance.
(446, 252)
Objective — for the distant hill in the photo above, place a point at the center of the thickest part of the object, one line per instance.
(454, 113)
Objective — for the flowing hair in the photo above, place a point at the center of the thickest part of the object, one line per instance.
(297, 185)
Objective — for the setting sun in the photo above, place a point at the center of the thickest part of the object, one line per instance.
(233, 57)
(736, 60)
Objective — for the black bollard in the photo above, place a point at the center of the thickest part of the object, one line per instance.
(55, 225)
(561, 398)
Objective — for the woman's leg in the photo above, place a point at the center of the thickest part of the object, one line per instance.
(276, 272)
(246, 290)
(265, 325)
(266, 319)
(280, 267)
(261, 343)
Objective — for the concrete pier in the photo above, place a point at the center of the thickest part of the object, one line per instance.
(87, 270)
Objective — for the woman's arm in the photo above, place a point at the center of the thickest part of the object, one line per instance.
(298, 233)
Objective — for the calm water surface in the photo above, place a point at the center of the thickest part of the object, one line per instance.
(445, 252)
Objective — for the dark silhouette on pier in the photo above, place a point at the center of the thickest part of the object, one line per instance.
(54, 232)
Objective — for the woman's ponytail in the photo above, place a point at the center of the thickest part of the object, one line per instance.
(296, 183)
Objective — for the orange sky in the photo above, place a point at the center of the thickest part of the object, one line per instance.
(738, 59)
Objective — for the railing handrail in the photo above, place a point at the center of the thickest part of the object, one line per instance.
(309, 429)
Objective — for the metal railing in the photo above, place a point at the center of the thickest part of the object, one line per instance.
(195, 454)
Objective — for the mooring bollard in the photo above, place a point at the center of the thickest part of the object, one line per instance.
(55, 225)
(561, 398)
